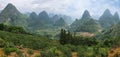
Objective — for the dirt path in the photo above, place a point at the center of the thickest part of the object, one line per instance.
(74, 54)
(24, 50)
(1, 52)
(113, 52)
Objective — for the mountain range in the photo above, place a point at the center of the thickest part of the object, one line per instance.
(11, 16)
(107, 19)
(86, 23)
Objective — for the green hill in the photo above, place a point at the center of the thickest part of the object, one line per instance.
(107, 19)
(85, 24)
(60, 23)
(11, 16)
(19, 36)
(29, 41)
(113, 31)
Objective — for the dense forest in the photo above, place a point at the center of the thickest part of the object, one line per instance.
(39, 35)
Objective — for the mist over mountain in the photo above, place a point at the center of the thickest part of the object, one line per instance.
(116, 17)
(33, 21)
(107, 19)
(11, 16)
(60, 23)
(85, 24)
(86, 15)
(44, 17)
(0, 11)
(67, 19)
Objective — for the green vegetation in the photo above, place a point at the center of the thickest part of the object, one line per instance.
(9, 47)
(30, 41)
(107, 19)
(67, 38)
(60, 23)
(11, 16)
(85, 24)
(84, 46)
(19, 53)
(2, 43)
(51, 41)
(49, 33)
(13, 29)
(30, 51)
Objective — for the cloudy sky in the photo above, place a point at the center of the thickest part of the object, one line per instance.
(74, 8)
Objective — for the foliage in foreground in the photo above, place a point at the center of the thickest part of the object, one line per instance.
(30, 41)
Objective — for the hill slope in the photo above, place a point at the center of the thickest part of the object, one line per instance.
(34, 42)
(86, 24)
(107, 19)
(11, 16)
(113, 31)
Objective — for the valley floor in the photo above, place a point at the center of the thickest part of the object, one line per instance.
(112, 52)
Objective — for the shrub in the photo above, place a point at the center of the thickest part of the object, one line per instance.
(9, 47)
(37, 56)
(43, 54)
(50, 54)
(66, 51)
(47, 54)
(30, 51)
(8, 50)
(13, 29)
(19, 53)
(2, 43)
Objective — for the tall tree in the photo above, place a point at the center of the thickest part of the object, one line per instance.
(63, 37)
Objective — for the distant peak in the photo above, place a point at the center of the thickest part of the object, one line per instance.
(86, 14)
(61, 18)
(33, 13)
(55, 15)
(10, 9)
(76, 19)
(86, 11)
(116, 13)
(43, 13)
(10, 5)
(107, 11)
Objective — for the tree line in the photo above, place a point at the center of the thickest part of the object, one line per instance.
(66, 37)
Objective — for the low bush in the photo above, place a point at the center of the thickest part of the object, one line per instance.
(30, 51)
(2, 43)
(8, 50)
(19, 53)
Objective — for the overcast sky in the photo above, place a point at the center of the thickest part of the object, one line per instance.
(74, 8)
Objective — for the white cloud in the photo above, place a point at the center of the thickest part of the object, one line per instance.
(74, 8)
